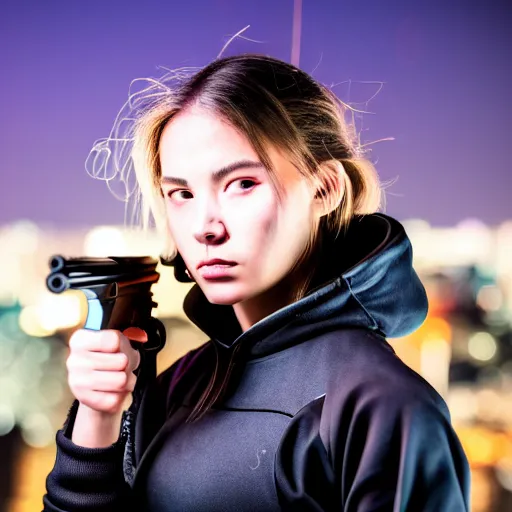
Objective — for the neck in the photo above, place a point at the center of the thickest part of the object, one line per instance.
(251, 311)
(282, 294)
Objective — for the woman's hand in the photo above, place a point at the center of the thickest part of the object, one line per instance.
(100, 374)
(100, 368)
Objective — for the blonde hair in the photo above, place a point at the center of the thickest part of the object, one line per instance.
(269, 102)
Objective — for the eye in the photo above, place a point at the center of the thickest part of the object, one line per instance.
(244, 183)
(179, 194)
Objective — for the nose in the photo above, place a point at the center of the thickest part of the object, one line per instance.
(212, 233)
(210, 229)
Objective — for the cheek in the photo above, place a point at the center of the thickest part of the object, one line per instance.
(179, 228)
(253, 222)
(271, 234)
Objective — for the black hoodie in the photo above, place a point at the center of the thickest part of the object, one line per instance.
(322, 415)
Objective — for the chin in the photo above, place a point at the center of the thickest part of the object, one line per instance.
(223, 294)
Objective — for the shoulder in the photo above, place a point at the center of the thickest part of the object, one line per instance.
(370, 390)
(381, 431)
(370, 373)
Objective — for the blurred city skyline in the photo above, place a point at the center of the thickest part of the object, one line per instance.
(444, 68)
(434, 76)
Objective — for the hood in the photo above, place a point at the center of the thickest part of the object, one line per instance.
(368, 282)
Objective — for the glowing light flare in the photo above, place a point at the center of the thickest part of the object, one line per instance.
(503, 261)
(435, 363)
(416, 226)
(37, 430)
(482, 446)
(30, 323)
(462, 404)
(490, 405)
(437, 328)
(474, 238)
(7, 420)
(21, 237)
(60, 311)
(54, 312)
(104, 241)
(490, 298)
(482, 346)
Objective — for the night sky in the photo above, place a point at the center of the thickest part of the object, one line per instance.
(446, 67)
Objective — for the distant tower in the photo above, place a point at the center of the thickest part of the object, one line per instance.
(297, 25)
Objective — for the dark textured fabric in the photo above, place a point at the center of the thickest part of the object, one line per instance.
(322, 414)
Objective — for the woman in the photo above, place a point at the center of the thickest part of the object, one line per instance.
(297, 401)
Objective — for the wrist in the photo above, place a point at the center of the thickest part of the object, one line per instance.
(96, 429)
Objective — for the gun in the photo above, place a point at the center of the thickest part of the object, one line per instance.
(118, 292)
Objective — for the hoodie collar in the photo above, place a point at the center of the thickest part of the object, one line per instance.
(370, 283)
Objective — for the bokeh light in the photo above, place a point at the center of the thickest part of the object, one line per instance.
(482, 346)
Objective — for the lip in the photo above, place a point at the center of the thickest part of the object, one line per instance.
(216, 269)
(216, 261)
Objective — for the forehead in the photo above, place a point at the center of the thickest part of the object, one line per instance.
(195, 141)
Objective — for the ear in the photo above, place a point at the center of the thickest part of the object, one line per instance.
(330, 188)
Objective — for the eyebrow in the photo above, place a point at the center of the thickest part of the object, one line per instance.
(216, 176)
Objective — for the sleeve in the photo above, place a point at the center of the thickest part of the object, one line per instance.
(372, 450)
(93, 479)
(397, 451)
(85, 479)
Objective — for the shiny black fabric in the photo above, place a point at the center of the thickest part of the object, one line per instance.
(322, 415)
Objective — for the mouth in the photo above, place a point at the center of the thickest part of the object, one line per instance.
(216, 262)
(216, 269)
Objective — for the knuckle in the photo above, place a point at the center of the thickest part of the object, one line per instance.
(72, 384)
(76, 388)
(123, 361)
(70, 362)
(111, 403)
(121, 381)
(134, 360)
(110, 339)
(74, 362)
(131, 382)
(75, 340)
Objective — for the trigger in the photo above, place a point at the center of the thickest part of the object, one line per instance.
(136, 334)
(155, 330)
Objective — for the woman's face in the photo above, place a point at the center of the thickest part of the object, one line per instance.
(221, 204)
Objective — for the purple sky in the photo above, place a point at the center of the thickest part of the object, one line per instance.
(66, 67)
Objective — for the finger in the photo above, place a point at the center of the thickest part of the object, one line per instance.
(114, 382)
(103, 361)
(132, 380)
(133, 360)
(136, 334)
(107, 340)
(132, 352)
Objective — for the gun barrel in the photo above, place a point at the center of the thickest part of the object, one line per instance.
(87, 272)
(100, 265)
